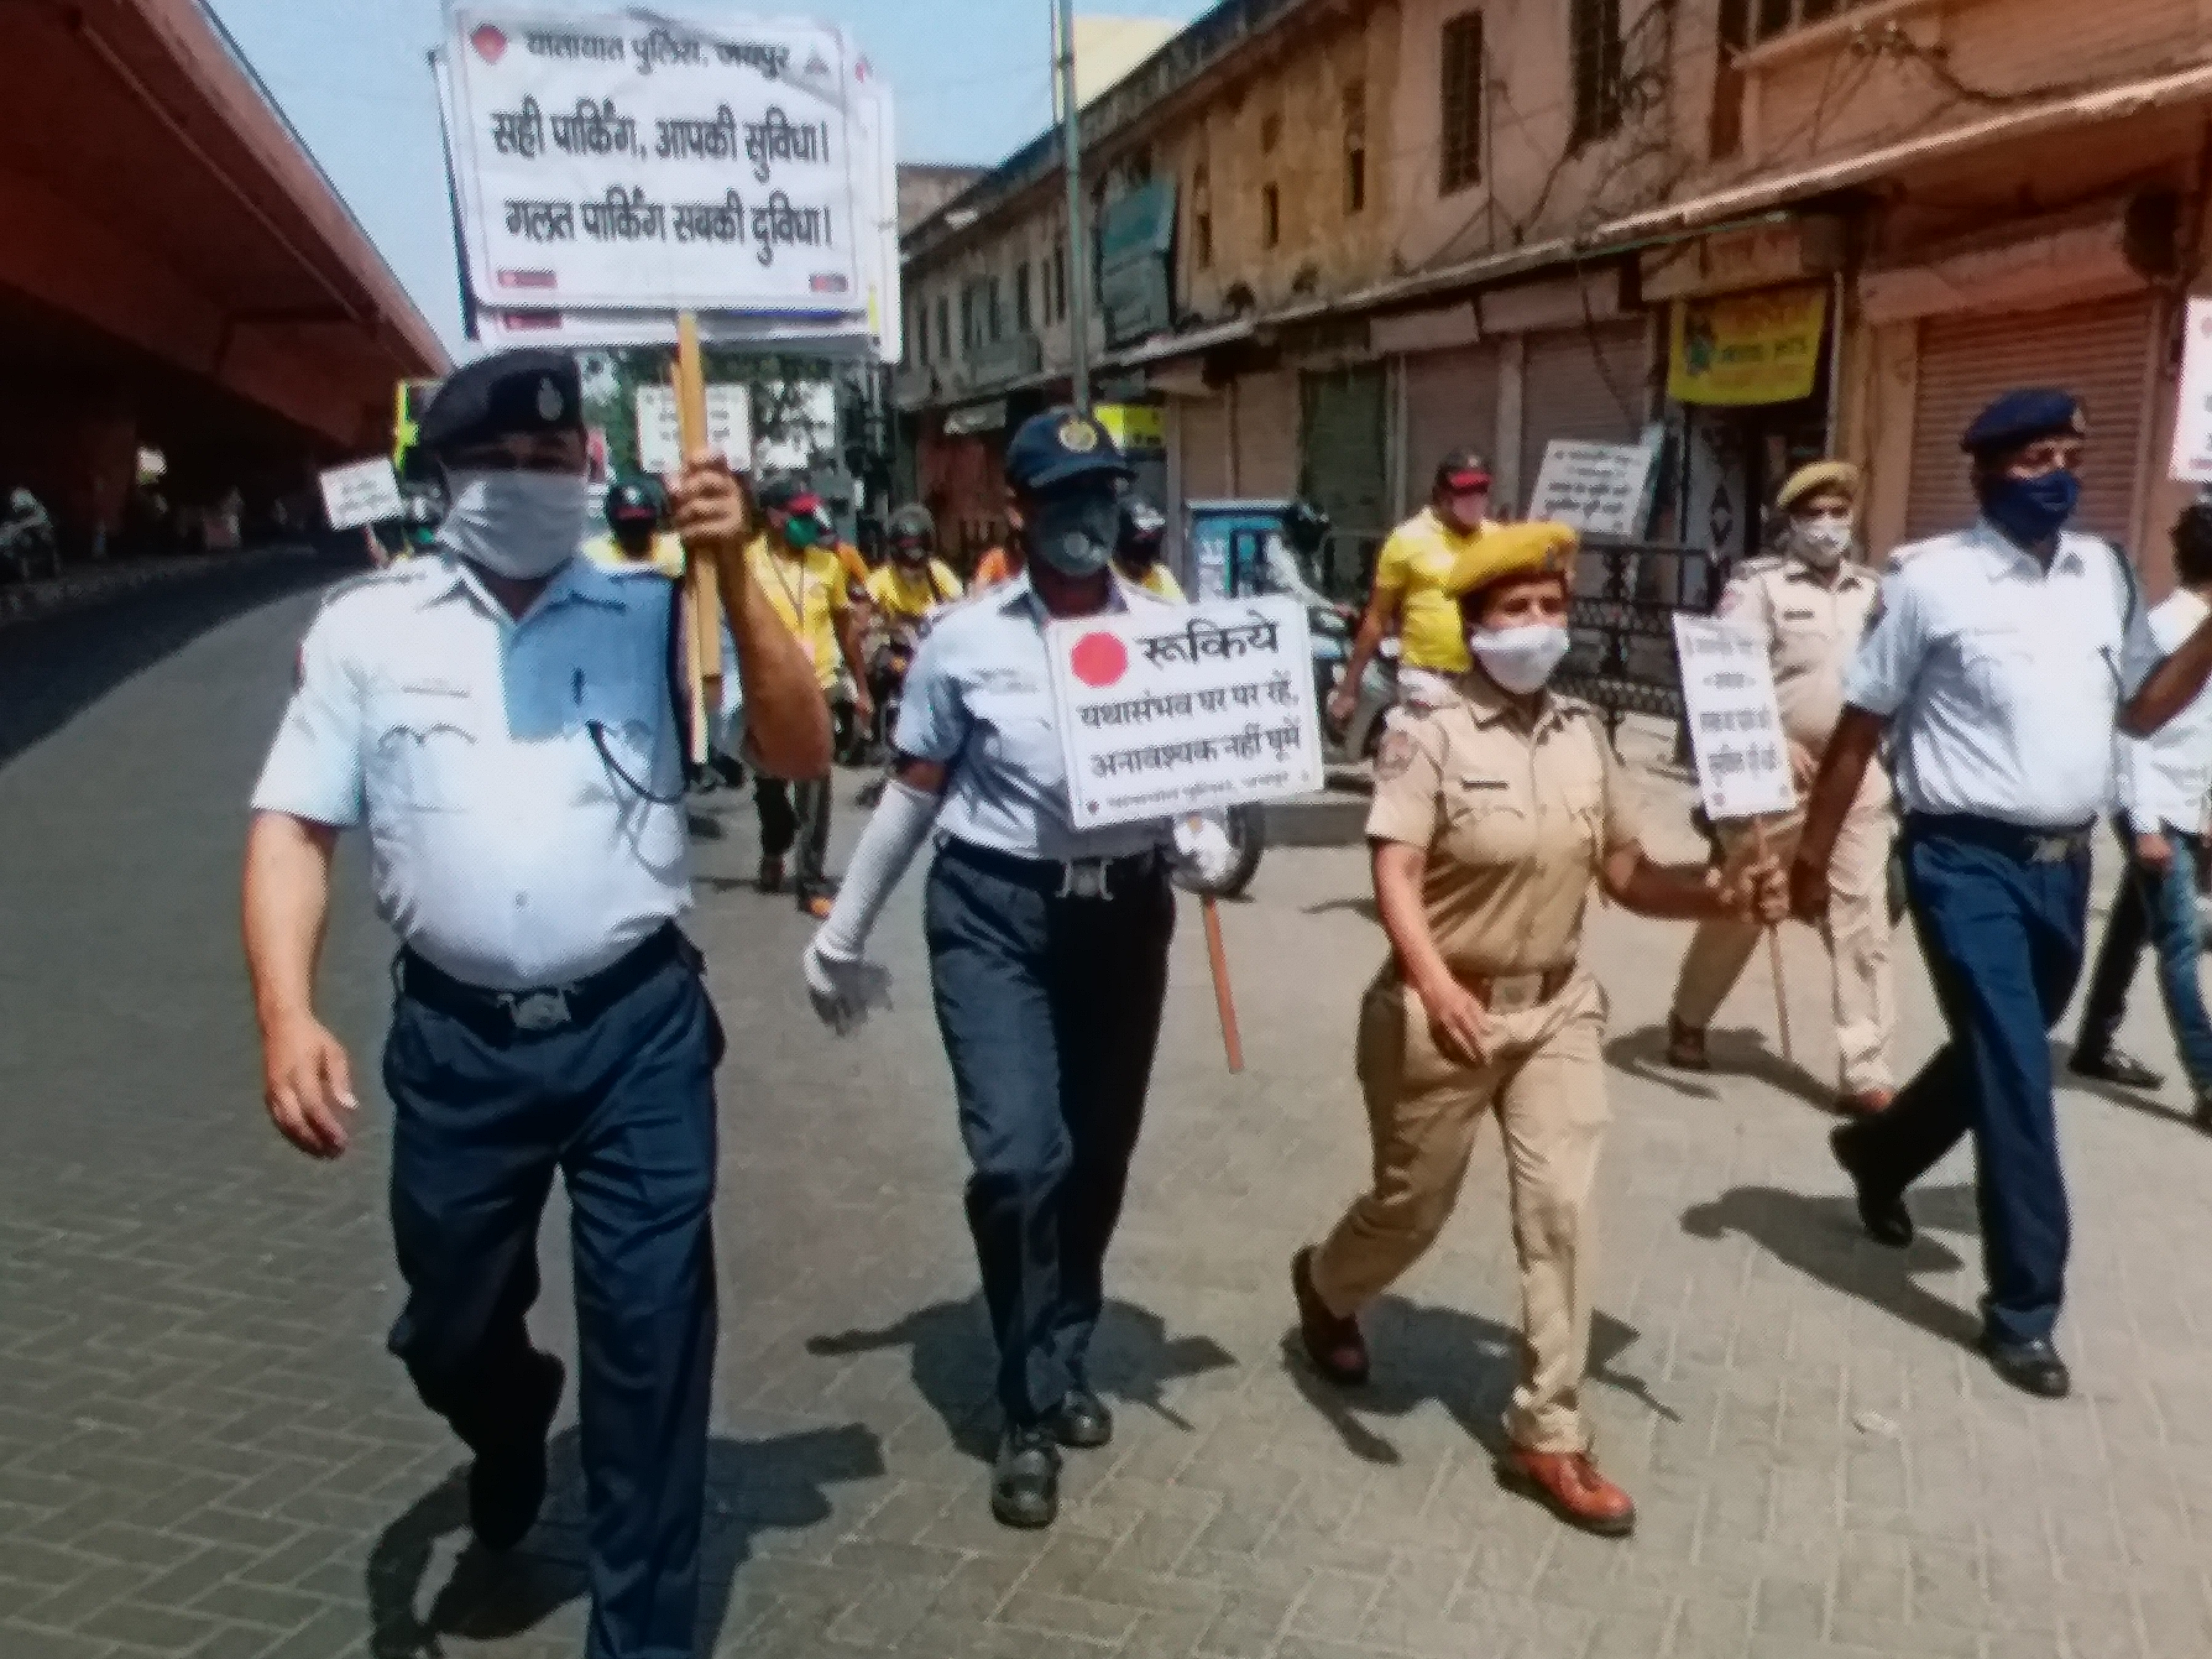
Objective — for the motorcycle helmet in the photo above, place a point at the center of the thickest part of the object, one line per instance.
(912, 534)
(1144, 533)
(633, 502)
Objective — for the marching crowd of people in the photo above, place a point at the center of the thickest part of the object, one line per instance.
(504, 721)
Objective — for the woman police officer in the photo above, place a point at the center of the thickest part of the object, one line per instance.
(1495, 813)
(1048, 946)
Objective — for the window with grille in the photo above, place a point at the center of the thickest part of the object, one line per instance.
(1271, 215)
(921, 329)
(944, 329)
(1060, 280)
(990, 311)
(1202, 217)
(1021, 298)
(1355, 147)
(1595, 47)
(1462, 60)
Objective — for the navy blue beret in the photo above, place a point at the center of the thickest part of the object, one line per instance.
(509, 394)
(1060, 444)
(2022, 417)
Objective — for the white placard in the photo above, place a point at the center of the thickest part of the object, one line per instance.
(1166, 710)
(1735, 726)
(2192, 421)
(1599, 489)
(659, 435)
(629, 160)
(362, 492)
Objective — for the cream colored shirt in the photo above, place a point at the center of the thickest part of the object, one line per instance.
(1810, 630)
(1515, 820)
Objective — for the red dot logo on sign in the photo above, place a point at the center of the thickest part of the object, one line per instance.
(1099, 659)
(490, 44)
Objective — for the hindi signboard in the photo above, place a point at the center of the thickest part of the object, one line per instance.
(1735, 726)
(362, 493)
(1166, 710)
(632, 160)
(729, 428)
(1600, 489)
(2192, 423)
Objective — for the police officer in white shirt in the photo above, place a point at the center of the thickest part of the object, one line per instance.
(2163, 780)
(1047, 944)
(2004, 655)
(503, 719)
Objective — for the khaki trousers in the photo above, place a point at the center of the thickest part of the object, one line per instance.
(1856, 933)
(1545, 1082)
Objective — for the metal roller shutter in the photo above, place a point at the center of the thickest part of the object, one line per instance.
(1267, 436)
(1203, 438)
(1343, 450)
(1588, 383)
(1451, 402)
(2100, 353)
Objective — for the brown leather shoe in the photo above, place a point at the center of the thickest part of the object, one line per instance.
(1866, 1102)
(1569, 1484)
(1334, 1345)
(1685, 1046)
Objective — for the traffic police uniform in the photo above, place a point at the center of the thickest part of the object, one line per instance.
(2003, 680)
(514, 778)
(1810, 622)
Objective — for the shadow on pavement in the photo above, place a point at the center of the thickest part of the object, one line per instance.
(1738, 1051)
(1464, 1362)
(752, 1486)
(1821, 1237)
(1363, 908)
(1132, 1359)
(54, 668)
(2135, 1100)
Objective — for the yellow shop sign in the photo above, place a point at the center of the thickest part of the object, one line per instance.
(1742, 349)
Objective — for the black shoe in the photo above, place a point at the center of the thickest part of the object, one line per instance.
(2032, 1367)
(2112, 1065)
(2202, 1117)
(1882, 1212)
(1025, 1478)
(506, 1483)
(1081, 1420)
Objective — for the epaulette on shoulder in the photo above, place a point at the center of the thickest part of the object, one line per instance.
(1765, 564)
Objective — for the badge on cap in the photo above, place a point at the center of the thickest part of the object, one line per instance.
(548, 402)
(1077, 437)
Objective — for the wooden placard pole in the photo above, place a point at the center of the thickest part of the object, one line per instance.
(1774, 952)
(702, 592)
(1225, 1000)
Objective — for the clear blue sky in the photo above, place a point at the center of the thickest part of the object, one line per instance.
(972, 79)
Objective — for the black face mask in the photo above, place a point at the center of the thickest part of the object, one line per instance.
(910, 552)
(1074, 529)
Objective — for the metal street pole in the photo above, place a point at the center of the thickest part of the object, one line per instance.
(1079, 255)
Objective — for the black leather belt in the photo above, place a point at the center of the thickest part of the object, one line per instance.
(1083, 878)
(507, 1016)
(2023, 841)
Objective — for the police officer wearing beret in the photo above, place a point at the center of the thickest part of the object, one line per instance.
(2003, 655)
(504, 718)
(1048, 946)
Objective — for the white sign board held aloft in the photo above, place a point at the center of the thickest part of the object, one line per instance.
(1166, 710)
(659, 435)
(1600, 489)
(364, 492)
(629, 160)
(2192, 423)
(1735, 727)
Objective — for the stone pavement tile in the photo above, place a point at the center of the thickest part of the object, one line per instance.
(1057, 1615)
(1710, 1629)
(160, 1630)
(24, 1641)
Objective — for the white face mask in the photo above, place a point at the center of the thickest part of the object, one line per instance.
(522, 525)
(1522, 659)
(1823, 543)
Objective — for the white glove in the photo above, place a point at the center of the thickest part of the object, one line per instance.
(843, 989)
(1202, 848)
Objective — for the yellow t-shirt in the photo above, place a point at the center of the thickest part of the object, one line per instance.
(667, 554)
(901, 596)
(1413, 565)
(808, 592)
(1160, 581)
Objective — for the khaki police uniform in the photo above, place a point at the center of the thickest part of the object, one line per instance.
(1516, 821)
(1811, 627)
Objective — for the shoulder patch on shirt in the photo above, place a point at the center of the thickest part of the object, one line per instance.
(1801, 616)
(1395, 757)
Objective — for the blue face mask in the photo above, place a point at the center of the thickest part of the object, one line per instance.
(1074, 529)
(2031, 510)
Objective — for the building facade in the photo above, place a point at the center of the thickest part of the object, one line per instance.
(1338, 237)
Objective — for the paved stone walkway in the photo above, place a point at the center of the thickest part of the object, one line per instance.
(204, 1451)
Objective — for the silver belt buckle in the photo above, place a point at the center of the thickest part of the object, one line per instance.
(541, 1011)
(1510, 992)
(1084, 879)
(2050, 849)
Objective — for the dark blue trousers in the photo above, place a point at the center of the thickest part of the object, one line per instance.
(624, 1109)
(2003, 934)
(1050, 1009)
